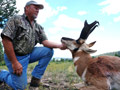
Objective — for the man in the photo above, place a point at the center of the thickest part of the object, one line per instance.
(19, 37)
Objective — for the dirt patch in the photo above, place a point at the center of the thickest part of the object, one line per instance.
(4, 86)
(48, 83)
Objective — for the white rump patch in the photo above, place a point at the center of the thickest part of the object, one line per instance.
(114, 81)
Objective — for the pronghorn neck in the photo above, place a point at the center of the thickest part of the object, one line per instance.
(81, 56)
(81, 60)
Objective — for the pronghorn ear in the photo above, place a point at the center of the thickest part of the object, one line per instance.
(91, 44)
(90, 51)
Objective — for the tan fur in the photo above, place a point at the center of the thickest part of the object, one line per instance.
(98, 69)
(104, 65)
(101, 73)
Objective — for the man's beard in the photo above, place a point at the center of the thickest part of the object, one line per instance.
(34, 16)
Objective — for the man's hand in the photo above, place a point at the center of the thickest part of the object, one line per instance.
(9, 50)
(63, 47)
(17, 68)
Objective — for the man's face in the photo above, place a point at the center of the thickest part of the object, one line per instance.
(32, 11)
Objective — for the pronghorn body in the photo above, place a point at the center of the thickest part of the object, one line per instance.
(101, 73)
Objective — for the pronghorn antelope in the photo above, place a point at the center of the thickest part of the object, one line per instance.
(101, 73)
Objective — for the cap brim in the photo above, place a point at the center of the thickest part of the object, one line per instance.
(40, 6)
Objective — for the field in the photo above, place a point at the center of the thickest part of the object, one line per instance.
(58, 76)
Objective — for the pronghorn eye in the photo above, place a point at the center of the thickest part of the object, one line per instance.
(77, 41)
(76, 49)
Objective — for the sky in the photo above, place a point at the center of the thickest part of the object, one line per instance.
(65, 18)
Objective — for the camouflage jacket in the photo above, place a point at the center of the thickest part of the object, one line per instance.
(23, 36)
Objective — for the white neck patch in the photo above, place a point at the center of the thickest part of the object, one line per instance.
(72, 46)
(83, 75)
(76, 68)
(76, 59)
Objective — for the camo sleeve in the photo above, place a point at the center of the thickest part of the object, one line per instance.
(40, 34)
(9, 30)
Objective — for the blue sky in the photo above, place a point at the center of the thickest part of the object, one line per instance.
(66, 17)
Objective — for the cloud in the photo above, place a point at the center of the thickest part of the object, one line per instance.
(65, 21)
(56, 33)
(62, 53)
(20, 5)
(61, 8)
(65, 26)
(49, 12)
(110, 6)
(45, 13)
(117, 19)
(82, 12)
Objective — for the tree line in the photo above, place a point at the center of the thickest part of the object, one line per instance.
(7, 9)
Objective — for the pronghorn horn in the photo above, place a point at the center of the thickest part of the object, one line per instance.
(87, 29)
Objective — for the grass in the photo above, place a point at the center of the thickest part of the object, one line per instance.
(59, 76)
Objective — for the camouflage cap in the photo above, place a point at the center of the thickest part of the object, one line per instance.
(34, 3)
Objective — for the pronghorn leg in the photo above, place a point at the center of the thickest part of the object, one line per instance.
(79, 85)
(97, 83)
(90, 88)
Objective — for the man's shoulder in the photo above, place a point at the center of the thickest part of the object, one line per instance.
(39, 26)
(16, 18)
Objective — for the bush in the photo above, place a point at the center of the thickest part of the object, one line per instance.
(1, 52)
(2, 63)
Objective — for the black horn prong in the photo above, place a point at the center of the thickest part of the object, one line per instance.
(85, 23)
(91, 31)
(87, 29)
(94, 23)
(92, 28)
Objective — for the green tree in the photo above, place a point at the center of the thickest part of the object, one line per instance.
(7, 9)
(117, 55)
(1, 52)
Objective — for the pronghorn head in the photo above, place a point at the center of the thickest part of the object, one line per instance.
(79, 44)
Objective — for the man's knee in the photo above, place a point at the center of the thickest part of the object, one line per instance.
(19, 83)
(50, 51)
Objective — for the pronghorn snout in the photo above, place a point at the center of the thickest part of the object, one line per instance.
(65, 38)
